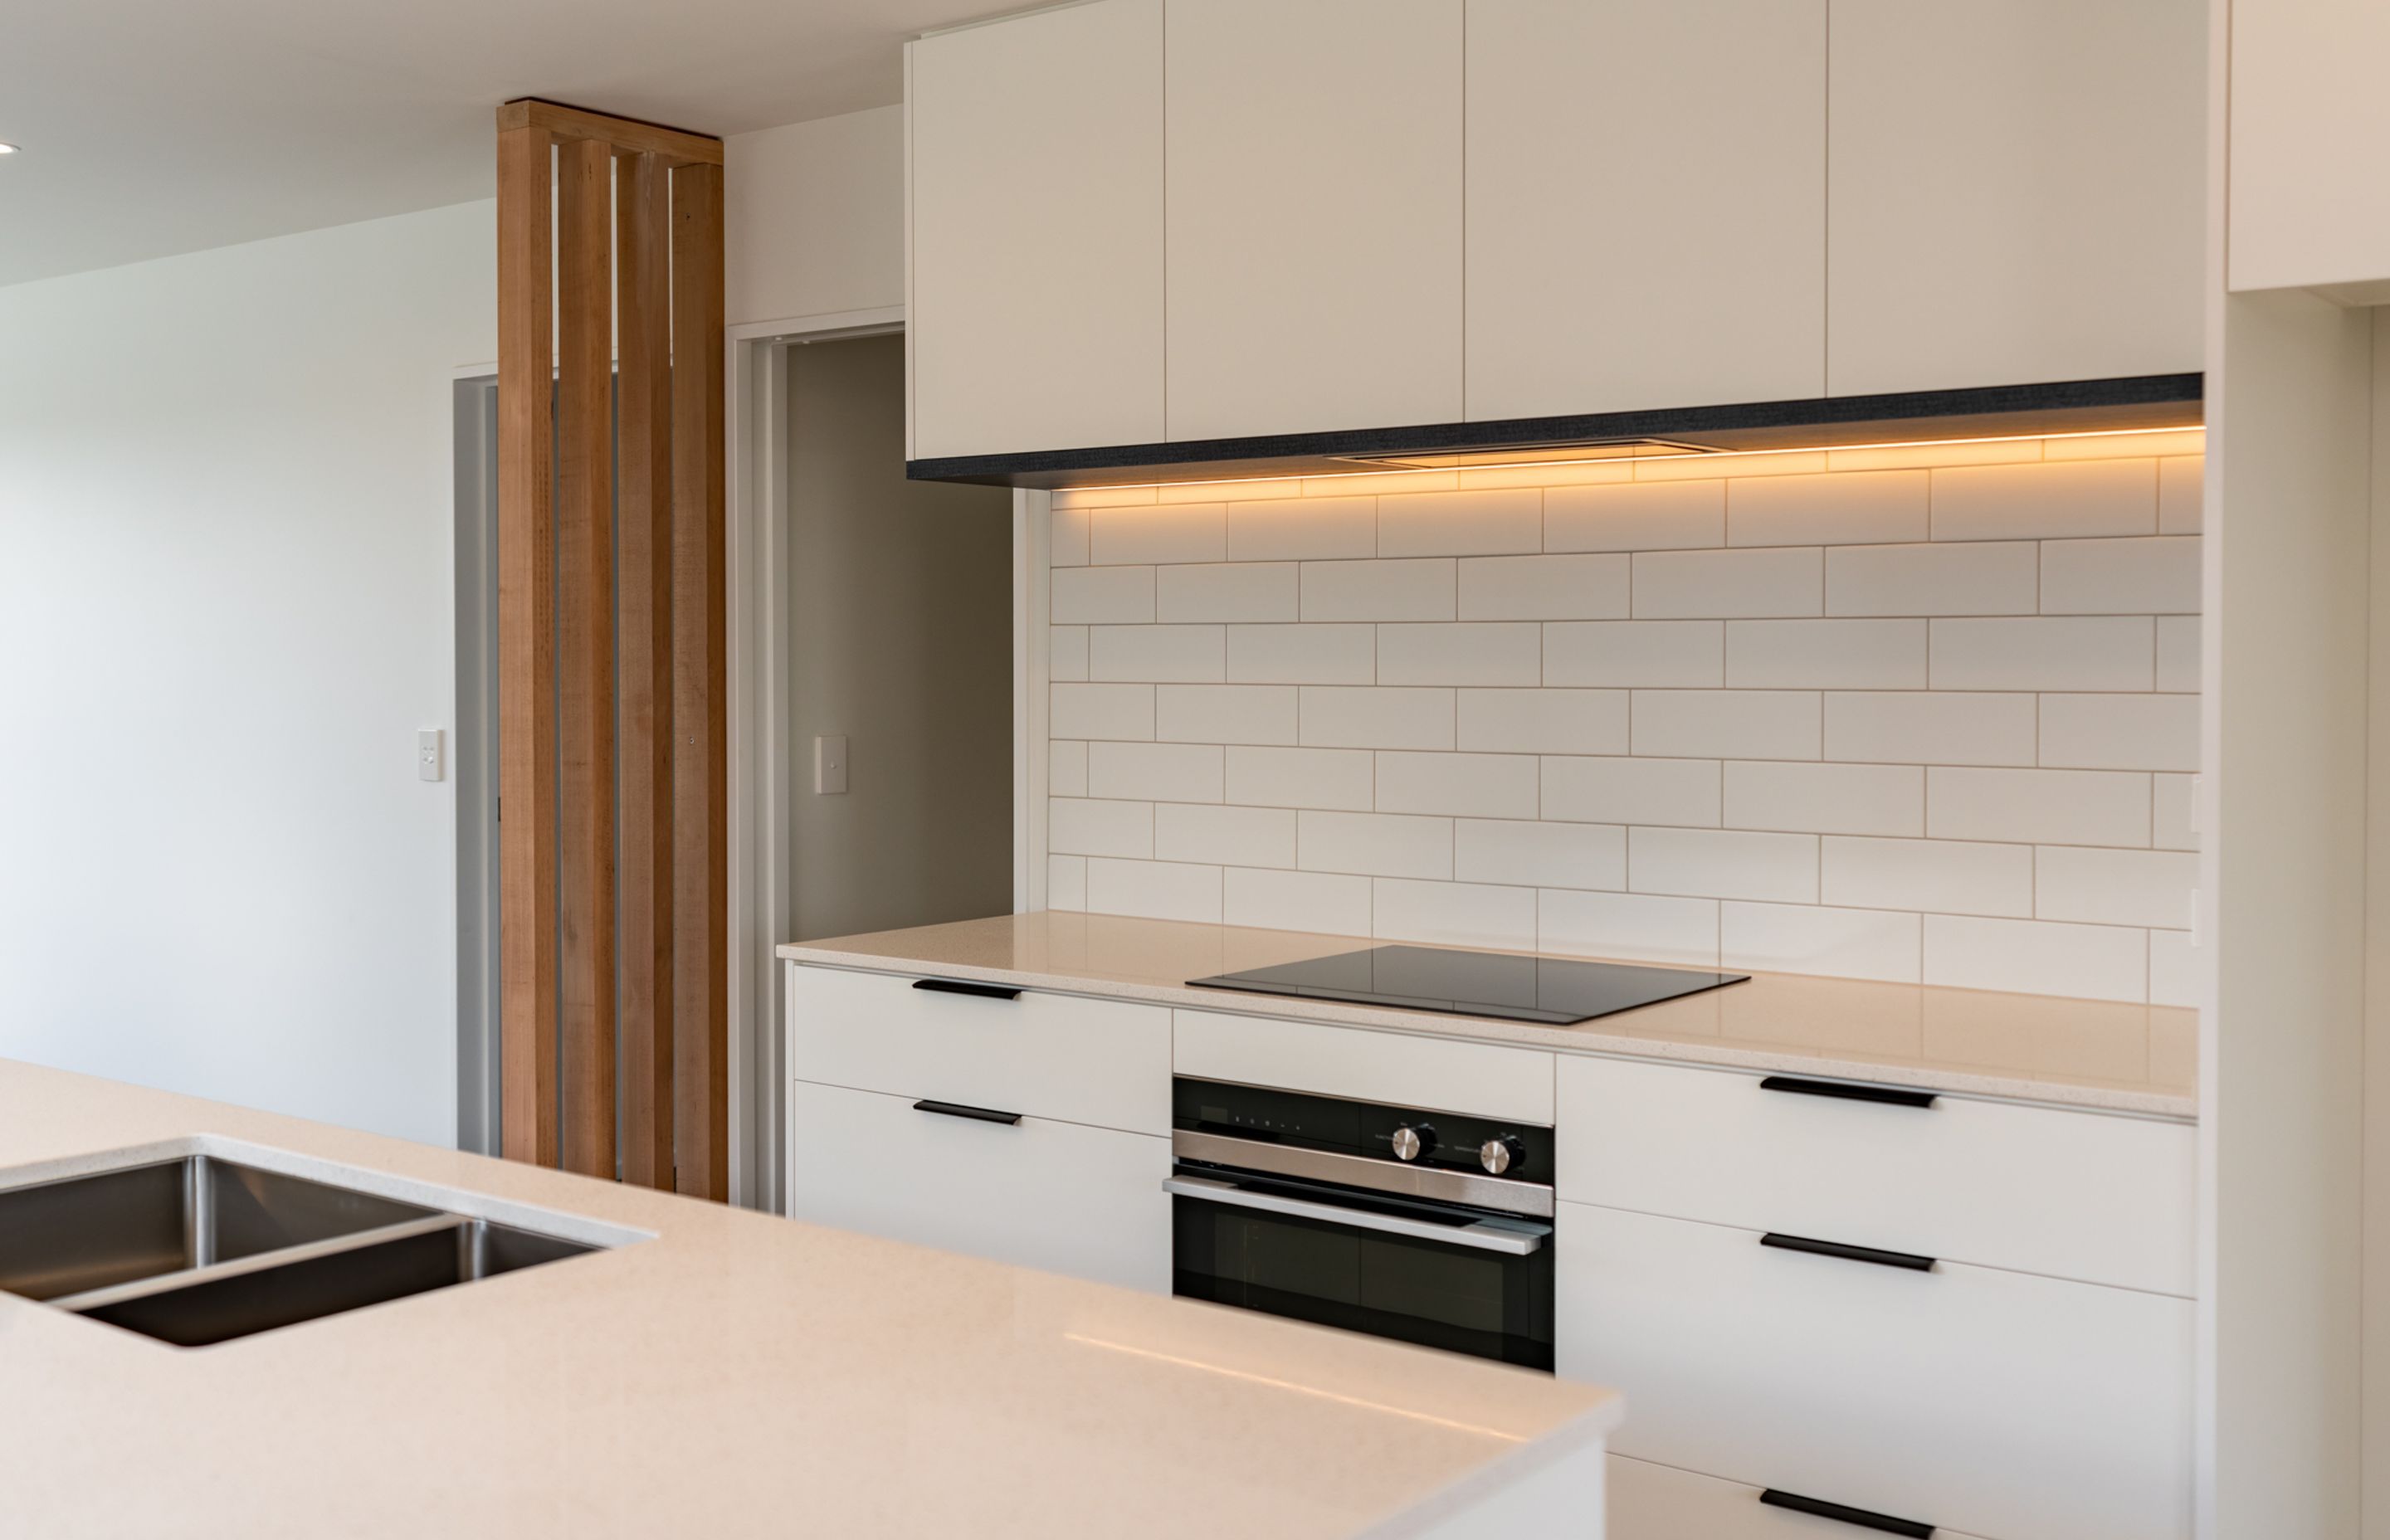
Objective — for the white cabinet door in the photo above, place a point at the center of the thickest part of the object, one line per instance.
(2016, 192)
(1989, 1402)
(1315, 215)
(1658, 1502)
(1035, 314)
(1647, 204)
(2310, 123)
(1085, 1202)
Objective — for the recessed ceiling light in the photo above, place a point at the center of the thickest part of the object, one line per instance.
(7, 149)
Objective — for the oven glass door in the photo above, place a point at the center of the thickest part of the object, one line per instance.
(1462, 1280)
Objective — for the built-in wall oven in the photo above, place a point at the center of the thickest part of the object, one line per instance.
(1426, 1226)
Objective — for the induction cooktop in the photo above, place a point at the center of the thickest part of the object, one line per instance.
(1557, 992)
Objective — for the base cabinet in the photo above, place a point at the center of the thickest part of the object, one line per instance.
(1057, 1196)
(1969, 1398)
(1660, 1502)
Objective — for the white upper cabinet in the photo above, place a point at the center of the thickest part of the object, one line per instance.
(1315, 215)
(2015, 191)
(1036, 310)
(2310, 131)
(1647, 204)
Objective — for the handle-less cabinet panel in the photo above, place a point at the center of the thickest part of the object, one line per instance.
(1982, 1401)
(1105, 1062)
(2074, 1195)
(1057, 1196)
(2016, 192)
(2308, 111)
(1315, 215)
(1392, 1068)
(1035, 305)
(1647, 204)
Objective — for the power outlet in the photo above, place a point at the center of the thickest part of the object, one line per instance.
(430, 754)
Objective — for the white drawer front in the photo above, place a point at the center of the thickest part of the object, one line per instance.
(1056, 1195)
(1994, 1402)
(1360, 1065)
(1105, 1062)
(2074, 1195)
(1658, 1502)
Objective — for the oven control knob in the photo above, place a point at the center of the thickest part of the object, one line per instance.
(1500, 1155)
(1411, 1143)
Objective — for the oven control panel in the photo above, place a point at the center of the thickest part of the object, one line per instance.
(1409, 1136)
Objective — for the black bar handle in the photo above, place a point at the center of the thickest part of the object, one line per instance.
(1841, 1513)
(1890, 1095)
(1909, 1260)
(957, 1110)
(963, 986)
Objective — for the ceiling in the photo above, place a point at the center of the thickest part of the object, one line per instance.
(149, 127)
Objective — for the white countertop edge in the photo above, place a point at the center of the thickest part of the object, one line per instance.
(1428, 1518)
(1610, 1043)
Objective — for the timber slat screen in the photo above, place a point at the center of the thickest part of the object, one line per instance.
(612, 650)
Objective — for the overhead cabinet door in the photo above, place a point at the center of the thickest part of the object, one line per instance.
(1647, 204)
(1035, 309)
(1315, 199)
(2015, 191)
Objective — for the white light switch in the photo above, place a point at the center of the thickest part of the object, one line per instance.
(431, 757)
(830, 765)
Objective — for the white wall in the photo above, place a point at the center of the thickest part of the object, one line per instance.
(225, 603)
(814, 223)
(1896, 713)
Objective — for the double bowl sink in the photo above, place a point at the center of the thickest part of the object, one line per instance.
(198, 1249)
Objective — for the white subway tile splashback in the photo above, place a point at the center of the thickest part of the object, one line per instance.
(1104, 595)
(1458, 914)
(1337, 905)
(1543, 722)
(1188, 532)
(1863, 507)
(2105, 652)
(1375, 717)
(1423, 589)
(1486, 653)
(1254, 591)
(1923, 713)
(1539, 855)
(1470, 785)
(1234, 836)
(1726, 724)
(1631, 654)
(1825, 799)
(1933, 580)
(1760, 583)
(1156, 772)
(2037, 807)
(1301, 778)
(2049, 501)
(1683, 792)
(1543, 587)
(1303, 654)
(1461, 523)
(1302, 529)
(1634, 927)
(1831, 655)
(1636, 516)
(1709, 863)
(2095, 962)
(1807, 938)
(1374, 844)
(1225, 714)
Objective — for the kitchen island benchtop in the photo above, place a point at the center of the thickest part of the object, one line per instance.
(734, 1375)
(2093, 1054)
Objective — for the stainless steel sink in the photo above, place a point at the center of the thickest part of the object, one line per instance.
(202, 1250)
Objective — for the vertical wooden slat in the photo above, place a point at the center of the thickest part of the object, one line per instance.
(701, 729)
(643, 579)
(584, 313)
(526, 655)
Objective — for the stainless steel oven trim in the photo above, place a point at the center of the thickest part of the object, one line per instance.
(1532, 1199)
(1507, 1236)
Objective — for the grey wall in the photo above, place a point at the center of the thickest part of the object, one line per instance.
(900, 636)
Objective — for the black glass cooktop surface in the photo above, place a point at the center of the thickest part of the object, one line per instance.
(1557, 992)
